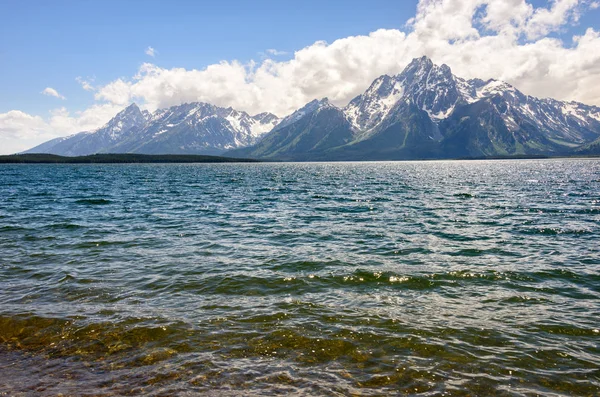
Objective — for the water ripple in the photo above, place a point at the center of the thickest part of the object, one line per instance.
(417, 278)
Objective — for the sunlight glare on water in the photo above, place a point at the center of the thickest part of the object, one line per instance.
(426, 278)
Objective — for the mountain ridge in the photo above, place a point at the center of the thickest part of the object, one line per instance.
(423, 112)
(189, 128)
(427, 112)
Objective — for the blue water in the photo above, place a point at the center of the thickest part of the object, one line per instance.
(422, 278)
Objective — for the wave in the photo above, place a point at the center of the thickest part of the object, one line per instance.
(91, 201)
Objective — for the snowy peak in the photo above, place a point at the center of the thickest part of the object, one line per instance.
(324, 104)
(434, 89)
(180, 113)
(425, 105)
(307, 109)
(496, 87)
(369, 109)
(198, 128)
(221, 128)
(127, 119)
(316, 105)
(422, 74)
(132, 114)
(251, 127)
(131, 109)
(430, 87)
(427, 112)
(418, 67)
(262, 123)
(579, 111)
(381, 87)
(265, 118)
(416, 72)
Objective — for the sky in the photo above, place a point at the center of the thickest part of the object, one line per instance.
(70, 66)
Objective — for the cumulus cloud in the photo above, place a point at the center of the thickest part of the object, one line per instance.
(20, 131)
(504, 39)
(511, 40)
(275, 52)
(62, 122)
(151, 52)
(49, 91)
(544, 21)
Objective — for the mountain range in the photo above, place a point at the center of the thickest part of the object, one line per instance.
(425, 112)
(191, 128)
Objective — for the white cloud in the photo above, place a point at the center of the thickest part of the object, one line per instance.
(504, 39)
(61, 122)
(544, 21)
(275, 52)
(52, 92)
(119, 92)
(478, 38)
(86, 84)
(20, 131)
(151, 52)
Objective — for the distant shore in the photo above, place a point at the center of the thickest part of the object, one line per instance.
(130, 158)
(117, 158)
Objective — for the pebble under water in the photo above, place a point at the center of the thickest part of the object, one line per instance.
(458, 278)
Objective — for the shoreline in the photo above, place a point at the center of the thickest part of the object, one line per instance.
(130, 158)
(118, 158)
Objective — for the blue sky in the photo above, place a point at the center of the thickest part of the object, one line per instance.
(50, 43)
(69, 66)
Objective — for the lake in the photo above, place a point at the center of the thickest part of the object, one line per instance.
(425, 278)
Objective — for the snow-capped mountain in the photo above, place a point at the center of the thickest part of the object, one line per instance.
(197, 128)
(367, 110)
(423, 112)
(128, 121)
(427, 112)
(191, 128)
(437, 91)
(315, 127)
(430, 87)
(303, 111)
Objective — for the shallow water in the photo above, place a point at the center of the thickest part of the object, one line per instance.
(425, 278)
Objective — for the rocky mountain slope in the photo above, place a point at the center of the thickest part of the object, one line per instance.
(191, 128)
(427, 112)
